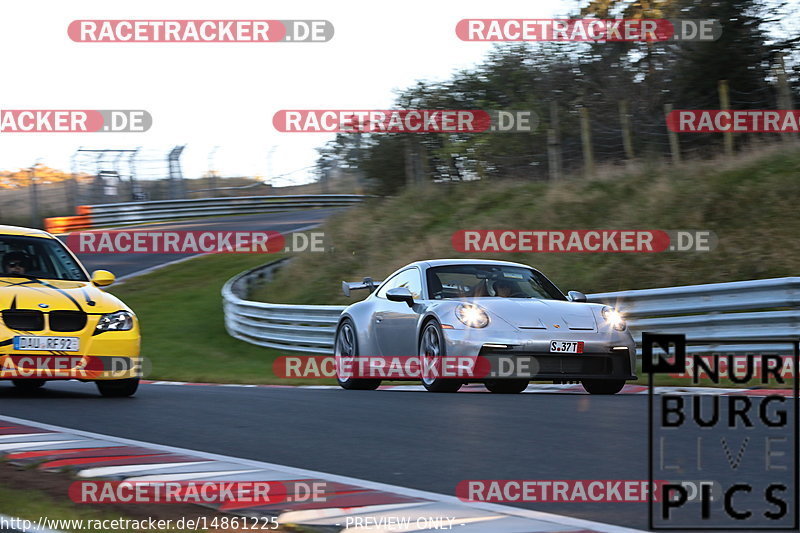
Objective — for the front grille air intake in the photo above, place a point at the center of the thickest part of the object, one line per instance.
(67, 320)
(23, 319)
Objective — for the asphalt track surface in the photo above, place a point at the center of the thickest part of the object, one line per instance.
(126, 264)
(419, 440)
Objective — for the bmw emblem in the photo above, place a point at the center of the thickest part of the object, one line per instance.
(44, 306)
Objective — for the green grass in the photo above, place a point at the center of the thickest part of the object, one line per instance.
(183, 332)
(35, 504)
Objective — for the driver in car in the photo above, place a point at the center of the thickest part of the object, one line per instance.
(503, 288)
(16, 263)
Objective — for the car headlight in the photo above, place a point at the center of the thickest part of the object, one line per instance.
(118, 321)
(472, 316)
(613, 318)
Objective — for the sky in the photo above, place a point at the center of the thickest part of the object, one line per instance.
(206, 95)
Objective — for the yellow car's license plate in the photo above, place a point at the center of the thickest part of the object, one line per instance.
(42, 343)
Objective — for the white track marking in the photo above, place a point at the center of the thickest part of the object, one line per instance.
(21, 436)
(115, 470)
(192, 475)
(31, 444)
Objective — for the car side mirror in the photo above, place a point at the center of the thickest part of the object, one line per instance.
(575, 296)
(102, 278)
(400, 294)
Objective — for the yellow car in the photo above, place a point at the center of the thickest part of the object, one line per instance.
(56, 323)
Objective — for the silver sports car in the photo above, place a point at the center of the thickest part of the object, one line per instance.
(507, 315)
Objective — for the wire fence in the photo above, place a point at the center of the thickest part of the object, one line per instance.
(603, 130)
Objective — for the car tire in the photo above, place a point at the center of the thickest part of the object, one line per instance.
(118, 388)
(603, 386)
(346, 345)
(29, 384)
(506, 386)
(431, 344)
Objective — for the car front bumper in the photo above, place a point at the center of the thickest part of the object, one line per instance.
(514, 354)
(107, 356)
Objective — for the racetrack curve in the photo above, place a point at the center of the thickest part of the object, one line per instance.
(123, 265)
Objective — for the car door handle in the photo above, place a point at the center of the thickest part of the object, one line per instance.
(378, 317)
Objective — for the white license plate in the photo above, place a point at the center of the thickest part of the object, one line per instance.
(41, 343)
(566, 346)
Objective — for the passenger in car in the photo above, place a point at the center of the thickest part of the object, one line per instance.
(480, 289)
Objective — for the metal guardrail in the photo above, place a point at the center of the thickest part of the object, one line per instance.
(711, 311)
(303, 328)
(104, 215)
(709, 298)
(758, 309)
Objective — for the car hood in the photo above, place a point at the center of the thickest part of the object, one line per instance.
(542, 314)
(57, 295)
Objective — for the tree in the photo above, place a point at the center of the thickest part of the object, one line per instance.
(742, 55)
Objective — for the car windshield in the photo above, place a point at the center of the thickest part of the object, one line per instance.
(489, 281)
(37, 257)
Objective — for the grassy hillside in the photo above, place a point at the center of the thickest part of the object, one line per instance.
(750, 202)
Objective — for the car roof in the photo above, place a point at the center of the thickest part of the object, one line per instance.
(27, 232)
(446, 262)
